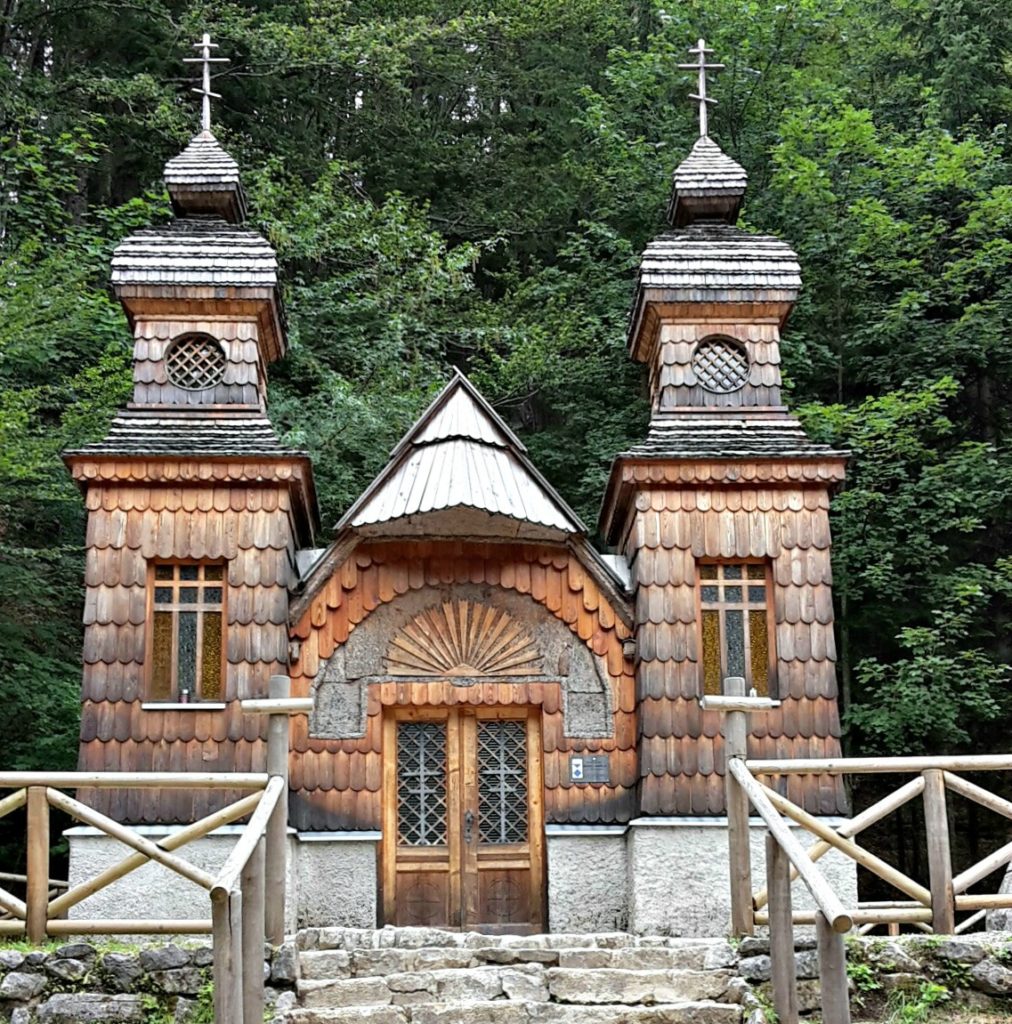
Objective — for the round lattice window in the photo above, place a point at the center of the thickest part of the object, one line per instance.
(720, 365)
(195, 362)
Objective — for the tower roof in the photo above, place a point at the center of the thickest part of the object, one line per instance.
(706, 185)
(204, 178)
(460, 469)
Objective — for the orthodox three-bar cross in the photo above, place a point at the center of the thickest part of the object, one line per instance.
(702, 67)
(205, 46)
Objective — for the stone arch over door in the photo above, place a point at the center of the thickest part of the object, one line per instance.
(543, 649)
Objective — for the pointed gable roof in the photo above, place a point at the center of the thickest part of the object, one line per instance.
(460, 455)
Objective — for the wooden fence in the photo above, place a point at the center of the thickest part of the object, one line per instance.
(931, 908)
(247, 897)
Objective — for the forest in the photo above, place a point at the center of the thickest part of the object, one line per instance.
(450, 184)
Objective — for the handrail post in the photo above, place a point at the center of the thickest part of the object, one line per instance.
(781, 917)
(276, 855)
(936, 825)
(253, 936)
(738, 841)
(37, 870)
(226, 925)
(832, 972)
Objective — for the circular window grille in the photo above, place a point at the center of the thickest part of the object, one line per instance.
(720, 365)
(195, 362)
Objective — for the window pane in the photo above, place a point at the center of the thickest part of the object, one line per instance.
(732, 572)
(732, 593)
(734, 629)
(161, 657)
(212, 595)
(186, 670)
(757, 595)
(163, 572)
(757, 572)
(187, 595)
(759, 643)
(711, 652)
(708, 572)
(709, 594)
(210, 668)
(188, 572)
(212, 572)
(163, 595)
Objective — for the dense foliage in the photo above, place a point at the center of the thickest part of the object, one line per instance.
(450, 184)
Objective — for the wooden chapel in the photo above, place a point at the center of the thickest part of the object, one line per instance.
(507, 732)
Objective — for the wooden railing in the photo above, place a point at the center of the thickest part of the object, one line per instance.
(247, 896)
(931, 908)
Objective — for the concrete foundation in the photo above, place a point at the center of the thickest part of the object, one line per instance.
(655, 876)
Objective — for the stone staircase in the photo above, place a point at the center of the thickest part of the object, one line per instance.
(425, 976)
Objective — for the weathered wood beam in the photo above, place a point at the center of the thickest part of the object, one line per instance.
(783, 966)
(135, 780)
(738, 839)
(978, 794)
(228, 877)
(879, 765)
(37, 869)
(141, 926)
(936, 825)
(980, 870)
(832, 973)
(13, 802)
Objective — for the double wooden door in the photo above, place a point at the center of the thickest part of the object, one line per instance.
(463, 819)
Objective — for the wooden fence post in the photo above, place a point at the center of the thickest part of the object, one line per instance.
(276, 867)
(936, 825)
(37, 871)
(253, 936)
(226, 926)
(784, 968)
(738, 842)
(832, 972)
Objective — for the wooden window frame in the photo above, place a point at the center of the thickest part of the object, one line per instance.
(196, 699)
(744, 606)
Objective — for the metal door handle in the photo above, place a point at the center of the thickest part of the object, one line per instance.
(468, 825)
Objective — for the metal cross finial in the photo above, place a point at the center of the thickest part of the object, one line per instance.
(702, 67)
(206, 46)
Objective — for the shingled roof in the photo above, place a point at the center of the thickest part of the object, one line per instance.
(196, 250)
(729, 437)
(205, 179)
(707, 183)
(460, 455)
(188, 433)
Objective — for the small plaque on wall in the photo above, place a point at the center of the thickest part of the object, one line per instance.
(588, 768)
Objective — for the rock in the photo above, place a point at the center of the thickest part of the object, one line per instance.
(444, 959)
(121, 971)
(286, 1001)
(21, 1015)
(809, 997)
(22, 987)
(203, 956)
(36, 959)
(186, 1010)
(992, 978)
(187, 981)
(525, 986)
(902, 981)
(11, 959)
(524, 956)
(630, 987)
(67, 970)
(961, 951)
(719, 954)
(350, 992)
(756, 968)
(164, 958)
(91, 1008)
(284, 964)
(76, 951)
(753, 945)
(476, 1013)
(806, 964)
(890, 957)
(1001, 920)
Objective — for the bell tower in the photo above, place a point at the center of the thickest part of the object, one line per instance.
(195, 508)
(723, 510)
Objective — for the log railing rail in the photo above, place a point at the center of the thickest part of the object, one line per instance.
(247, 896)
(930, 908)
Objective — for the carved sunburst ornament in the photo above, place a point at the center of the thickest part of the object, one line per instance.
(462, 638)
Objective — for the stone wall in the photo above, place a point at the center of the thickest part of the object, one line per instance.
(80, 982)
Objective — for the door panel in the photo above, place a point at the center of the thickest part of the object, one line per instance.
(463, 819)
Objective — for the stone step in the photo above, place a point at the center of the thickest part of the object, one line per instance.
(505, 1012)
(698, 956)
(321, 964)
(519, 982)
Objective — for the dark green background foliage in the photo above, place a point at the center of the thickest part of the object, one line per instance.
(453, 185)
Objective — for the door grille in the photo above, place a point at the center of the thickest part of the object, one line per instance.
(502, 782)
(421, 783)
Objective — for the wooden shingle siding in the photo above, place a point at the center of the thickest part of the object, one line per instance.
(681, 751)
(336, 784)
